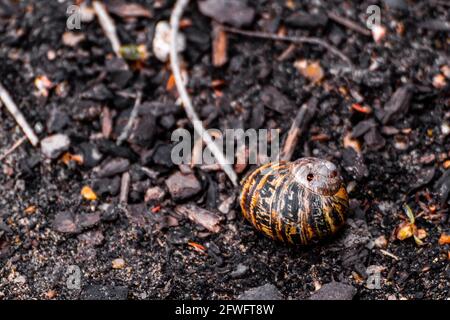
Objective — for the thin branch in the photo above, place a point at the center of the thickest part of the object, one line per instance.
(304, 115)
(134, 113)
(16, 145)
(18, 116)
(108, 26)
(124, 187)
(311, 40)
(190, 112)
(349, 24)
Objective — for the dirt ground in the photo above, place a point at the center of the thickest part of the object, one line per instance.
(385, 122)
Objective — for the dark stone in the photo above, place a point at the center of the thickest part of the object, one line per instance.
(374, 140)
(98, 93)
(91, 155)
(353, 163)
(398, 104)
(98, 292)
(234, 12)
(57, 120)
(273, 99)
(265, 292)
(302, 19)
(118, 71)
(112, 149)
(162, 155)
(87, 220)
(112, 167)
(362, 127)
(142, 130)
(183, 186)
(104, 187)
(65, 223)
(334, 291)
(442, 186)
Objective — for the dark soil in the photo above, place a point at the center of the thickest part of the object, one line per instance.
(404, 146)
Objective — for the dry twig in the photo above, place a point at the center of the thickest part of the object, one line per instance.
(124, 187)
(134, 113)
(187, 104)
(18, 116)
(311, 40)
(349, 24)
(107, 24)
(301, 121)
(16, 145)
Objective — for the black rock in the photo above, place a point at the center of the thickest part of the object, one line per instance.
(334, 291)
(119, 72)
(104, 187)
(65, 223)
(362, 127)
(112, 167)
(265, 292)
(88, 220)
(162, 155)
(182, 186)
(57, 120)
(354, 164)
(98, 93)
(110, 148)
(301, 19)
(98, 292)
(234, 12)
(142, 130)
(398, 104)
(442, 186)
(374, 140)
(91, 155)
(273, 99)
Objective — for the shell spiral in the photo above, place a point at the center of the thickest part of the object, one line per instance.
(298, 202)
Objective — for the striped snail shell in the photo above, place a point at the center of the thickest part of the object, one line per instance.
(297, 202)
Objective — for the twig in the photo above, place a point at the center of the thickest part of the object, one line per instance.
(190, 112)
(301, 121)
(124, 187)
(16, 145)
(349, 24)
(387, 253)
(134, 113)
(107, 24)
(18, 116)
(271, 36)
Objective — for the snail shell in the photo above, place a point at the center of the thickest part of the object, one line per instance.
(297, 202)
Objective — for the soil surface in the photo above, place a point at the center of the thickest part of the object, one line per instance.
(385, 122)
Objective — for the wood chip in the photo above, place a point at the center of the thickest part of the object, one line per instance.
(219, 46)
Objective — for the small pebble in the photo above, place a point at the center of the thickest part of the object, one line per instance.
(53, 146)
(118, 263)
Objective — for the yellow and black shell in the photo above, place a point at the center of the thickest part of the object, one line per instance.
(299, 202)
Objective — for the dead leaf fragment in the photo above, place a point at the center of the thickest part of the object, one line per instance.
(444, 239)
(405, 231)
(349, 142)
